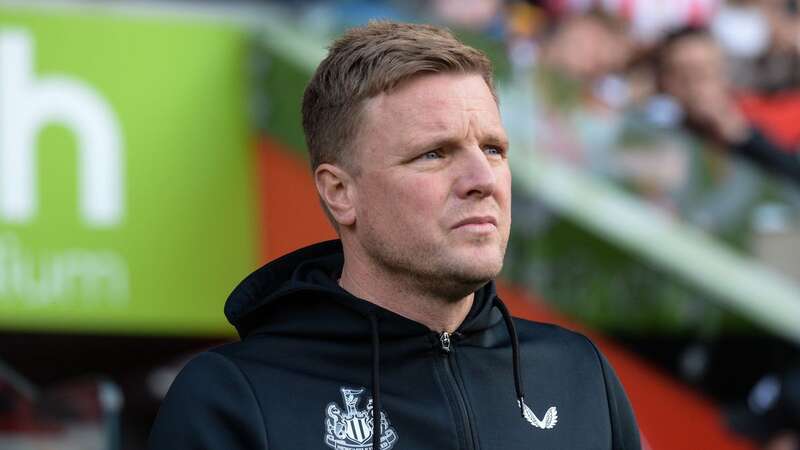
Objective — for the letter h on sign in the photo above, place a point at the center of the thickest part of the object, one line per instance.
(26, 105)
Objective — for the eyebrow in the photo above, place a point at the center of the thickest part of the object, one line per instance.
(435, 141)
(496, 138)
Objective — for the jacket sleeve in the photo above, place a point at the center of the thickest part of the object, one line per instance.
(762, 151)
(624, 429)
(210, 405)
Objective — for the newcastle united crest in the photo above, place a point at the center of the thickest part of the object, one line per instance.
(351, 429)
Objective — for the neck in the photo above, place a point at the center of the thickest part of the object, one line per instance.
(404, 297)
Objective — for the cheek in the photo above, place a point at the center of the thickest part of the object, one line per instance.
(402, 204)
(419, 206)
(503, 199)
(503, 192)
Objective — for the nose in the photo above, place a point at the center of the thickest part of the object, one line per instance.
(476, 175)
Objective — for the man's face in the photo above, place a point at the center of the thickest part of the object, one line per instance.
(694, 66)
(585, 49)
(433, 188)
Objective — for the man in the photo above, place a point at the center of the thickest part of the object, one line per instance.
(397, 324)
(692, 70)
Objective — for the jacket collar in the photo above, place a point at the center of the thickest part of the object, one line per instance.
(298, 294)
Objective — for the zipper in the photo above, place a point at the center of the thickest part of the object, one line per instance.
(444, 340)
(456, 389)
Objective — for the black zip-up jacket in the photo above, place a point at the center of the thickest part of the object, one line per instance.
(311, 356)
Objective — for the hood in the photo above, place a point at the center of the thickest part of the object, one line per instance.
(299, 293)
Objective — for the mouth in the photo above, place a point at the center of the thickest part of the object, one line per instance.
(477, 224)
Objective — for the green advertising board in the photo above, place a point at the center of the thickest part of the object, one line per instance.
(126, 173)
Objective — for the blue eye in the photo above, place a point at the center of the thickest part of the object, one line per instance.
(433, 154)
(494, 151)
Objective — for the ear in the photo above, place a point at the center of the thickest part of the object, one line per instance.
(335, 188)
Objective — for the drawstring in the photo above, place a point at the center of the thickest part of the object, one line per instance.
(376, 387)
(376, 360)
(512, 332)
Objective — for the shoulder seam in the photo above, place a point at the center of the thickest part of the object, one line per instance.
(250, 385)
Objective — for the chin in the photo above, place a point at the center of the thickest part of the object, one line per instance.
(479, 269)
(456, 274)
(470, 280)
(488, 254)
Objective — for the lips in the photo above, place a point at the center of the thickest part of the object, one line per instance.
(477, 220)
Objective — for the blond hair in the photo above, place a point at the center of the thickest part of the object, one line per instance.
(367, 61)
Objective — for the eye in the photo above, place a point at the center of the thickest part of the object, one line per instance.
(494, 151)
(431, 155)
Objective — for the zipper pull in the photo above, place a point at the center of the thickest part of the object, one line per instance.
(444, 339)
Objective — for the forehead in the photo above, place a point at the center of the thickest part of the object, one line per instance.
(430, 105)
(692, 48)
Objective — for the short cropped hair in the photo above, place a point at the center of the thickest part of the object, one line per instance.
(367, 61)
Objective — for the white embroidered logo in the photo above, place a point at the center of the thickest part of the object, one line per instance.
(352, 429)
(550, 417)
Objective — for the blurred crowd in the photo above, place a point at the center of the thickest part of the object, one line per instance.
(694, 109)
